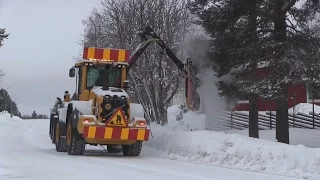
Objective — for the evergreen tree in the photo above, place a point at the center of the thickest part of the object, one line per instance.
(233, 27)
(239, 46)
(6, 103)
(34, 115)
(3, 35)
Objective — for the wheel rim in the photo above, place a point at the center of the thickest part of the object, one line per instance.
(57, 132)
(69, 135)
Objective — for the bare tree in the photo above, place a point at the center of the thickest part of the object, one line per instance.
(154, 78)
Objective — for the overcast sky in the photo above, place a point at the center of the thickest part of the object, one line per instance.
(39, 52)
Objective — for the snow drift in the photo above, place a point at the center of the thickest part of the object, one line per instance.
(178, 142)
(5, 117)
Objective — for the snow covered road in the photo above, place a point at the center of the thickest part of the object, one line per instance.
(27, 153)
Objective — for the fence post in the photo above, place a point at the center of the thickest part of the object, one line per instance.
(270, 120)
(294, 117)
(231, 118)
(313, 112)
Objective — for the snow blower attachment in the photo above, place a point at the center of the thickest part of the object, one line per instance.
(100, 112)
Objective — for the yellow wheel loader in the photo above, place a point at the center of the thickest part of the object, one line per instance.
(101, 112)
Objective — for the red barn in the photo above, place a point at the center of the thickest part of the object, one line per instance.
(298, 94)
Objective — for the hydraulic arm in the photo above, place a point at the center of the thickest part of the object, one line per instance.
(188, 70)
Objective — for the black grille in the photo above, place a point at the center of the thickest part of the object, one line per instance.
(115, 102)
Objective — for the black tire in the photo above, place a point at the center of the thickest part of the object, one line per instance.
(113, 149)
(51, 127)
(75, 142)
(133, 149)
(53, 130)
(60, 142)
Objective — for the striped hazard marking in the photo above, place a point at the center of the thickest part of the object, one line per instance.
(116, 133)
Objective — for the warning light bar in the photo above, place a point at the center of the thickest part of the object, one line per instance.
(106, 54)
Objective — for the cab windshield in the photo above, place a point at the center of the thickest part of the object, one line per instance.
(94, 76)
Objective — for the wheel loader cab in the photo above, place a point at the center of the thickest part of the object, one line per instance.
(104, 74)
(97, 75)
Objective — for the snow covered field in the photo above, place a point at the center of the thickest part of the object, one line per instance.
(234, 149)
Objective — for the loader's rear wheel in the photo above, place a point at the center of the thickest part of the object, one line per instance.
(52, 131)
(133, 149)
(50, 128)
(75, 142)
(53, 134)
(61, 142)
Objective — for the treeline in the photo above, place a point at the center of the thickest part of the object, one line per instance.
(35, 115)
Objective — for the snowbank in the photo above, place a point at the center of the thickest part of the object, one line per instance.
(229, 150)
(5, 117)
(298, 136)
(304, 108)
(236, 151)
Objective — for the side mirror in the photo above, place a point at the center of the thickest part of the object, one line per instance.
(72, 72)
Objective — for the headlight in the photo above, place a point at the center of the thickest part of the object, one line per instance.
(107, 96)
(140, 123)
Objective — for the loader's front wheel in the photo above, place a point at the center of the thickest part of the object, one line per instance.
(75, 142)
(61, 142)
(133, 149)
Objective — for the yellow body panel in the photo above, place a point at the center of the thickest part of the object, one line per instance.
(91, 52)
(106, 54)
